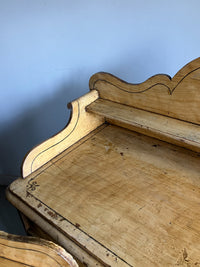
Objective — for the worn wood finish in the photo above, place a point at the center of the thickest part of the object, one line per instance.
(162, 127)
(115, 197)
(28, 251)
(141, 210)
(178, 97)
(81, 124)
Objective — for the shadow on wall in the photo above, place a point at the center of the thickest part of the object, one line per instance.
(33, 127)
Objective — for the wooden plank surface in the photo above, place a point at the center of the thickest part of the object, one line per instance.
(27, 251)
(177, 97)
(128, 199)
(162, 127)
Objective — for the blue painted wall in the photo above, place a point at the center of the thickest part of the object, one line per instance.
(50, 48)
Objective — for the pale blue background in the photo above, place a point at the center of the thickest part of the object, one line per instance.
(50, 48)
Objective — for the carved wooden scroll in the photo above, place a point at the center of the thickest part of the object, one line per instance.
(81, 124)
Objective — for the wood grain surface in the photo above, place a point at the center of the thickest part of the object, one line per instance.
(28, 251)
(127, 199)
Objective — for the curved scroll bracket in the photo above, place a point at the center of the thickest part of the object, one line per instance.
(81, 124)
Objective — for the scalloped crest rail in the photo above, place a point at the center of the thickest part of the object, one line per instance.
(178, 97)
(107, 188)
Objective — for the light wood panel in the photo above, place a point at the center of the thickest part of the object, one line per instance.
(178, 97)
(164, 128)
(27, 251)
(80, 125)
(127, 199)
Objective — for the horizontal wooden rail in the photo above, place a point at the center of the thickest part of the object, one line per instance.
(161, 127)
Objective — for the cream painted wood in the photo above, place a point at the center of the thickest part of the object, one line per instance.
(81, 124)
(178, 97)
(28, 251)
(161, 127)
